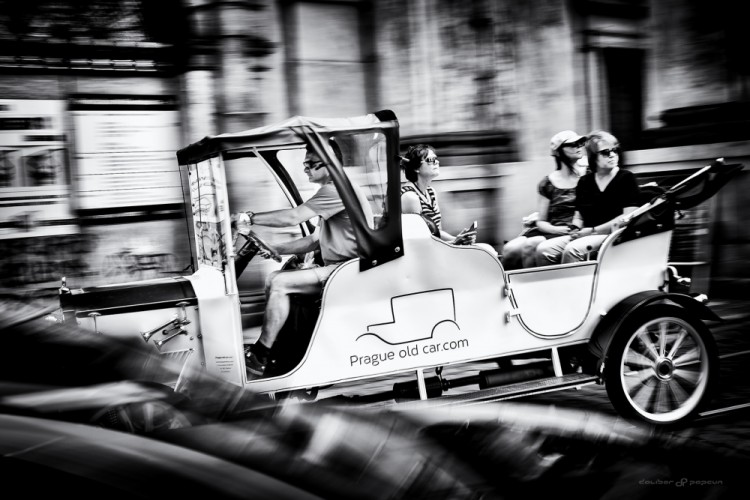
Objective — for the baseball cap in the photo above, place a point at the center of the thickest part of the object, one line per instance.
(561, 138)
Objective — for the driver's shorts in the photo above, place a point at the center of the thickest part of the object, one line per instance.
(323, 273)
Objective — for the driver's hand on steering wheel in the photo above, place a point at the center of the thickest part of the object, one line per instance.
(267, 252)
(241, 223)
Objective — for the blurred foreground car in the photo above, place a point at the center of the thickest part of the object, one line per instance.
(47, 457)
(495, 450)
(53, 370)
(290, 449)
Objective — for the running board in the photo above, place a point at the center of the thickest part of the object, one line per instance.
(505, 392)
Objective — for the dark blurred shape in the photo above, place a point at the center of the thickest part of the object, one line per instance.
(7, 169)
(44, 457)
(535, 451)
(496, 450)
(97, 29)
(628, 9)
(339, 453)
(67, 19)
(706, 124)
(165, 21)
(482, 146)
(57, 370)
(62, 355)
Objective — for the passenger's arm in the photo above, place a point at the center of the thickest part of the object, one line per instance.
(608, 227)
(577, 220)
(445, 236)
(283, 218)
(410, 203)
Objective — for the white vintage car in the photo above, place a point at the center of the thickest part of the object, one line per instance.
(412, 303)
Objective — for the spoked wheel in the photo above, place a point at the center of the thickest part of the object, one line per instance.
(661, 366)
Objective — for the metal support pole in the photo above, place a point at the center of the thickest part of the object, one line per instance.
(421, 385)
(556, 363)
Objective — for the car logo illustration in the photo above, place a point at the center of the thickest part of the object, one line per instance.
(416, 314)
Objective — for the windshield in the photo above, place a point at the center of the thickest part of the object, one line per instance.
(364, 158)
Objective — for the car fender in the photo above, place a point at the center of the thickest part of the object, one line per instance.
(618, 315)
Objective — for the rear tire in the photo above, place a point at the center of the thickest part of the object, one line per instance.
(662, 366)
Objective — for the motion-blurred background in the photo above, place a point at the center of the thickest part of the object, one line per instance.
(97, 96)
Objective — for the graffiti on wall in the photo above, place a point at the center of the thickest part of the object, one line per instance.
(100, 255)
(135, 264)
(44, 260)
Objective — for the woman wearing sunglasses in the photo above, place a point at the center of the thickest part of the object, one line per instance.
(557, 194)
(421, 165)
(602, 198)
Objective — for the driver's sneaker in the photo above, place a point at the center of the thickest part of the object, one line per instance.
(255, 363)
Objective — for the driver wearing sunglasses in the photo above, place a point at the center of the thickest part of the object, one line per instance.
(334, 237)
(312, 165)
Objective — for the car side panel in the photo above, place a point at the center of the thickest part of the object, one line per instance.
(553, 301)
(437, 305)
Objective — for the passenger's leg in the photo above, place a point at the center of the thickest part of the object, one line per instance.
(578, 249)
(550, 251)
(513, 253)
(529, 250)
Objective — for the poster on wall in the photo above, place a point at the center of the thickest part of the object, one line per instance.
(34, 172)
(125, 151)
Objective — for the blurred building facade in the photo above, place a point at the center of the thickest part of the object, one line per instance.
(98, 95)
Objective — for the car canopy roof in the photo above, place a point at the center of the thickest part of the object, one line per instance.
(285, 133)
(375, 245)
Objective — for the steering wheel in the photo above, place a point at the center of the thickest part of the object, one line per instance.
(256, 244)
(253, 245)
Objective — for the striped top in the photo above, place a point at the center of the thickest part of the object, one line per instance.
(427, 201)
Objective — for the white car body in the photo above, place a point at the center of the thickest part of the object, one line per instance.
(426, 304)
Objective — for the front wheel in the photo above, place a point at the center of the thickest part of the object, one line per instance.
(661, 366)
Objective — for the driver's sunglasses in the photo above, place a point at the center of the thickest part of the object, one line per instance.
(313, 166)
(431, 161)
(606, 153)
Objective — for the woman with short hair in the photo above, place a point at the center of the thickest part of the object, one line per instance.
(556, 201)
(603, 196)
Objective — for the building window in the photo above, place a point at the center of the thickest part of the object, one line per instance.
(624, 75)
